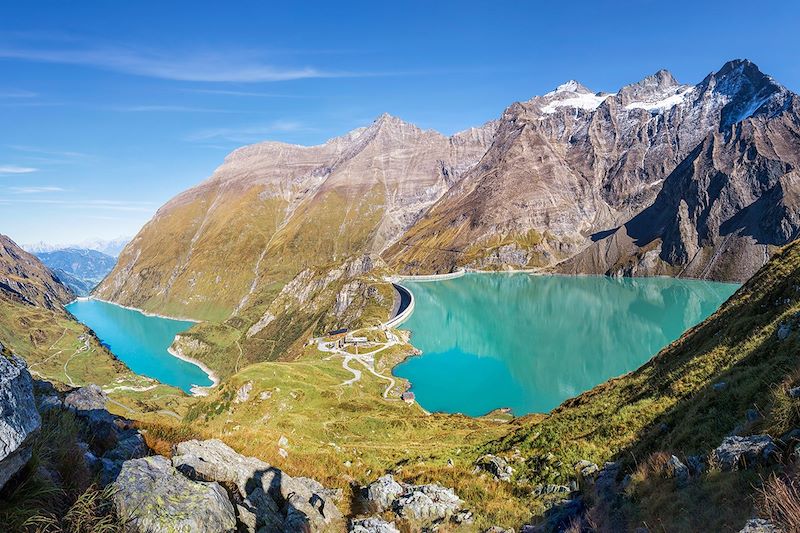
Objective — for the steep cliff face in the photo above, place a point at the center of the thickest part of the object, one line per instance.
(725, 208)
(273, 210)
(24, 279)
(572, 164)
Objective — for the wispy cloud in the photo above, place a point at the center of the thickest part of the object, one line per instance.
(46, 151)
(81, 204)
(233, 65)
(248, 133)
(35, 190)
(15, 169)
(16, 93)
(255, 94)
(170, 109)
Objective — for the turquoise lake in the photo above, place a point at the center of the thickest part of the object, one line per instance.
(141, 341)
(530, 342)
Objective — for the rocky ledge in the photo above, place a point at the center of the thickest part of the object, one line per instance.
(19, 419)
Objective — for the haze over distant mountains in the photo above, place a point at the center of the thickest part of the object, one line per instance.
(658, 178)
(80, 269)
(110, 247)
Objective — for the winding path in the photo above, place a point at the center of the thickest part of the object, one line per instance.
(366, 359)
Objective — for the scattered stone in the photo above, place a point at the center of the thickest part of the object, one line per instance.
(744, 452)
(498, 529)
(719, 387)
(19, 419)
(540, 490)
(243, 394)
(759, 525)
(678, 470)
(794, 392)
(752, 415)
(283, 453)
(283, 442)
(373, 525)
(266, 395)
(463, 516)
(586, 468)
(151, 496)
(784, 330)
(497, 466)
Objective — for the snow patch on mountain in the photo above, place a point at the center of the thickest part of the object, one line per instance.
(588, 101)
(663, 104)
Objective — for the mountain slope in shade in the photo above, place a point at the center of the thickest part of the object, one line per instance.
(24, 279)
(569, 167)
(80, 269)
(273, 210)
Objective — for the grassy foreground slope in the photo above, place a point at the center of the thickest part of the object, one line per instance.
(671, 404)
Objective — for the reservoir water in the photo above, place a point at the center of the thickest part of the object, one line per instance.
(141, 341)
(531, 342)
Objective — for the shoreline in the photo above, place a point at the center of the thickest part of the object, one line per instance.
(196, 390)
(142, 311)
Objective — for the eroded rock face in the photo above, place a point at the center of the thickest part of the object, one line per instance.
(278, 501)
(153, 497)
(19, 419)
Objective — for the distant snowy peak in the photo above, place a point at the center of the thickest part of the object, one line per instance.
(571, 95)
(571, 86)
(109, 247)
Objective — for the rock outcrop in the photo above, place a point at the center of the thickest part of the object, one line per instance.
(424, 505)
(19, 418)
(278, 501)
(744, 452)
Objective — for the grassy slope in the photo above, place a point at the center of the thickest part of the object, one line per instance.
(53, 345)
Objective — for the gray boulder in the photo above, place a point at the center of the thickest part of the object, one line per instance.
(759, 525)
(19, 419)
(86, 398)
(279, 502)
(737, 452)
(497, 466)
(383, 491)
(678, 470)
(427, 503)
(373, 525)
(152, 496)
(794, 392)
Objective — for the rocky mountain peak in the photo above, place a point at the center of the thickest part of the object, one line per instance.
(570, 86)
(742, 90)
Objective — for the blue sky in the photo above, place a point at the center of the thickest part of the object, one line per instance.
(108, 109)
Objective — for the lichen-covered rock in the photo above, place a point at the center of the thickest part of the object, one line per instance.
(19, 419)
(279, 501)
(373, 525)
(152, 496)
(744, 452)
(497, 466)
